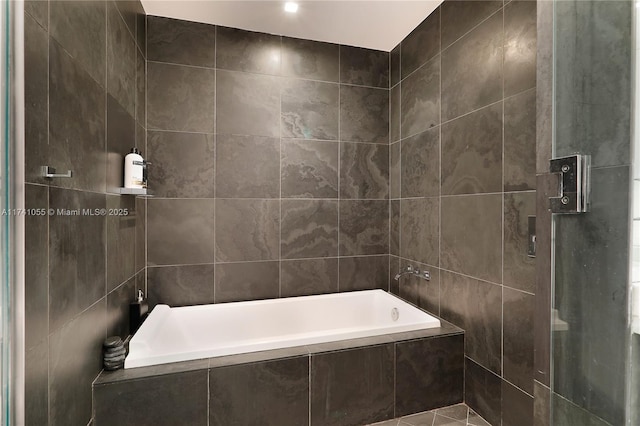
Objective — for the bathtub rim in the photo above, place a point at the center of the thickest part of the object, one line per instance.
(446, 329)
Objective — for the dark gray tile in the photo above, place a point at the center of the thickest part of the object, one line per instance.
(364, 114)
(247, 230)
(182, 164)
(519, 269)
(422, 44)
(247, 167)
(246, 281)
(180, 98)
(421, 165)
(141, 138)
(121, 60)
(179, 231)
(520, 141)
(181, 285)
(36, 384)
(247, 104)
(310, 59)
(170, 399)
(423, 294)
(364, 273)
(353, 386)
(472, 153)
(75, 353)
(181, 42)
(518, 311)
(36, 281)
(482, 391)
(471, 235)
(456, 412)
(394, 114)
(36, 95)
(420, 419)
(259, 356)
(118, 308)
(80, 27)
(458, 17)
(309, 110)
(476, 420)
(394, 170)
(365, 67)
(141, 89)
(520, 37)
(121, 239)
(309, 169)
(394, 61)
(141, 233)
(394, 227)
(429, 374)
(419, 230)
(269, 393)
(541, 405)
(77, 245)
(465, 85)
(364, 227)
(76, 122)
(476, 307)
(240, 50)
(517, 406)
(309, 228)
(394, 268)
(39, 11)
(340, 345)
(141, 31)
(308, 276)
(364, 171)
(128, 9)
(121, 135)
(420, 103)
(122, 375)
(544, 86)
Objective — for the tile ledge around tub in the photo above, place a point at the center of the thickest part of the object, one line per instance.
(106, 377)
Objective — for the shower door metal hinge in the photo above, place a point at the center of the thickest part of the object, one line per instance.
(574, 184)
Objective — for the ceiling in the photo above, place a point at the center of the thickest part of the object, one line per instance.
(373, 24)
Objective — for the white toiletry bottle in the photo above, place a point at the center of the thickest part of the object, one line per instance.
(133, 169)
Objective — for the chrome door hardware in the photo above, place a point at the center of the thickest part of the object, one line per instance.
(574, 184)
(50, 172)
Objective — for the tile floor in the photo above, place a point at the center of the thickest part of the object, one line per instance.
(454, 415)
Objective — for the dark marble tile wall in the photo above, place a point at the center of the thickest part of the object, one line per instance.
(352, 382)
(85, 109)
(270, 165)
(462, 181)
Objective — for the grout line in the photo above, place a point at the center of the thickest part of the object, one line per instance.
(339, 157)
(502, 212)
(215, 156)
(309, 393)
(280, 182)
(279, 75)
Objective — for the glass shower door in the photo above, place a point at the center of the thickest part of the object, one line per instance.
(590, 357)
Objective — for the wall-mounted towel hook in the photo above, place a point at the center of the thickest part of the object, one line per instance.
(50, 172)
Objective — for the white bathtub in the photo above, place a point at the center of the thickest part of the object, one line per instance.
(196, 332)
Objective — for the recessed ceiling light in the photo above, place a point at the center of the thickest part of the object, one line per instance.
(291, 7)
